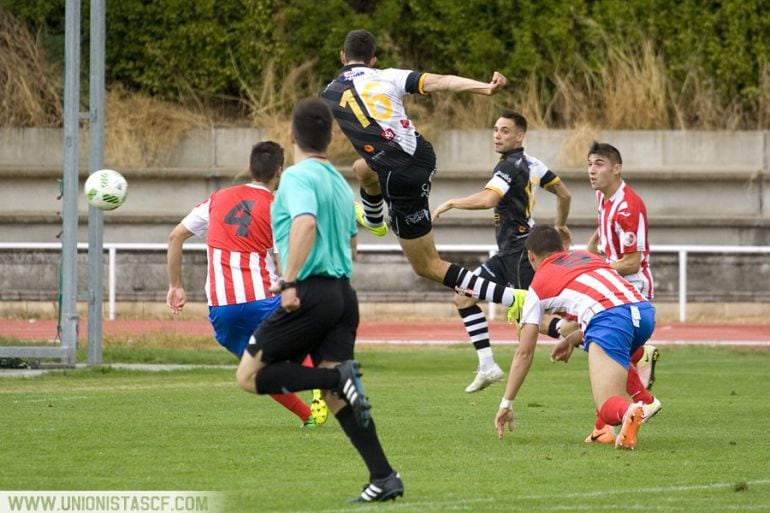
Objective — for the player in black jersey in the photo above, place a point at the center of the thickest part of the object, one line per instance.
(510, 192)
(397, 163)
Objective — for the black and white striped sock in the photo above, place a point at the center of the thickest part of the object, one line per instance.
(468, 284)
(374, 208)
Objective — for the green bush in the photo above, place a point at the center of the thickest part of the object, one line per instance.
(214, 49)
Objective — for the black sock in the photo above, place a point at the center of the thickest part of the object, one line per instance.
(366, 443)
(287, 377)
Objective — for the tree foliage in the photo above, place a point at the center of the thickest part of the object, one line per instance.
(215, 49)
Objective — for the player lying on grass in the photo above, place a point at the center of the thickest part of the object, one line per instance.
(615, 319)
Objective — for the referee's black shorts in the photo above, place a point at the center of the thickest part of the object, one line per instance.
(324, 326)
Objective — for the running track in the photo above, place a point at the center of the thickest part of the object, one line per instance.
(439, 332)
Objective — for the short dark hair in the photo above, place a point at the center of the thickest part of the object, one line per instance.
(607, 151)
(311, 123)
(265, 161)
(360, 45)
(544, 239)
(518, 119)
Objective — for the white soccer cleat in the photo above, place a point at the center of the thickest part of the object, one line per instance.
(650, 410)
(646, 366)
(485, 378)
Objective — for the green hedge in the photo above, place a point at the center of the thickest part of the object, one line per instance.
(214, 47)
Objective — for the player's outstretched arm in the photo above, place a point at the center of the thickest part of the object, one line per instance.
(481, 200)
(176, 296)
(522, 361)
(458, 84)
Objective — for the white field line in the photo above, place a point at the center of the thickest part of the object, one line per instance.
(508, 502)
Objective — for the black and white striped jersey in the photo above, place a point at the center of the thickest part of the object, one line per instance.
(368, 106)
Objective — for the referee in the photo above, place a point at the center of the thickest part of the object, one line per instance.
(314, 226)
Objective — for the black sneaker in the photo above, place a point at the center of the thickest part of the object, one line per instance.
(352, 391)
(379, 490)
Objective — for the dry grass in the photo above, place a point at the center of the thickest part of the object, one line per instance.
(29, 87)
(631, 90)
(141, 131)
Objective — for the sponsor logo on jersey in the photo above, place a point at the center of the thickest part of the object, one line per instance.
(350, 74)
(388, 134)
(405, 123)
(505, 176)
(368, 148)
(377, 156)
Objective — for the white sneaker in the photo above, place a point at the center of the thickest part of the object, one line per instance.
(485, 378)
(646, 366)
(650, 410)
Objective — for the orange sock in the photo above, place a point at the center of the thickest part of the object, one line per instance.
(294, 404)
(613, 409)
(635, 389)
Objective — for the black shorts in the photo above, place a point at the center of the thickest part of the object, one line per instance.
(511, 269)
(406, 191)
(324, 326)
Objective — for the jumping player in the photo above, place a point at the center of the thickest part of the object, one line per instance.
(397, 163)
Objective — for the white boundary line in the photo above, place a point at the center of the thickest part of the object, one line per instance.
(508, 502)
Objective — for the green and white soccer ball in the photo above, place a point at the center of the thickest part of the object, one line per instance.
(106, 189)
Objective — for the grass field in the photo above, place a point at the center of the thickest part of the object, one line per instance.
(112, 429)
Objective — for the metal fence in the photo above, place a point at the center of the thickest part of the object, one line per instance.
(112, 248)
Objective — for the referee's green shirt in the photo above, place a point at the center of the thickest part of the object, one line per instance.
(314, 187)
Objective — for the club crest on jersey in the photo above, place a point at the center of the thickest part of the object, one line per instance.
(629, 238)
(388, 134)
(405, 123)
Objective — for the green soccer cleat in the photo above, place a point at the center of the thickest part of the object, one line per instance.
(514, 311)
(377, 231)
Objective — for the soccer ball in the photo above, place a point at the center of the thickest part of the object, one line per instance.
(106, 189)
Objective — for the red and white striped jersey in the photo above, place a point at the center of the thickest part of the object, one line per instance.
(236, 224)
(623, 229)
(578, 284)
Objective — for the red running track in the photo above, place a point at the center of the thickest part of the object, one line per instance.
(447, 331)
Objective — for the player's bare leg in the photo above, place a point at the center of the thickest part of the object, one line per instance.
(608, 384)
(246, 374)
(423, 257)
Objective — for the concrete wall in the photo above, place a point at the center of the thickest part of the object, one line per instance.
(700, 188)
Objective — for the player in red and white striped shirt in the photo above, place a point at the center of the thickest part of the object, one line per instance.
(621, 236)
(613, 316)
(241, 265)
